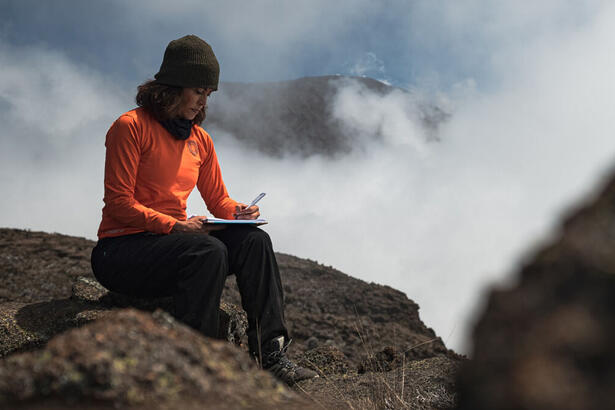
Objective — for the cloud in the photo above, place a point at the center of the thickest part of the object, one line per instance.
(41, 86)
(529, 88)
(55, 115)
(369, 65)
(442, 221)
(393, 118)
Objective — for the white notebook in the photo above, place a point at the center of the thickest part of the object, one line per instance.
(213, 220)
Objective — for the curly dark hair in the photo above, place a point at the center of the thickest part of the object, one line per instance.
(162, 100)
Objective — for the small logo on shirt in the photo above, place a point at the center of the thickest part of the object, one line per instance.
(193, 148)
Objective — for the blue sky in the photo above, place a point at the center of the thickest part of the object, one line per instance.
(414, 41)
(529, 86)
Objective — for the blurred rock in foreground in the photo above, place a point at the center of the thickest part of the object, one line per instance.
(549, 342)
(135, 358)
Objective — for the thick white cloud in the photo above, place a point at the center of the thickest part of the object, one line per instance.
(54, 115)
(531, 131)
(441, 221)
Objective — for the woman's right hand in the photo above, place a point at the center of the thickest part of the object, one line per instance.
(196, 224)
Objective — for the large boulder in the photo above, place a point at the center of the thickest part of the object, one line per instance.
(549, 342)
(233, 320)
(131, 357)
(24, 326)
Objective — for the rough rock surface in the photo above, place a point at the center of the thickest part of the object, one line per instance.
(333, 318)
(24, 326)
(133, 358)
(355, 316)
(233, 320)
(549, 342)
(383, 361)
(325, 360)
(322, 303)
(427, 384)
(36, 266)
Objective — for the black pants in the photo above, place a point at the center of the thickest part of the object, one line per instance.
(193, 268)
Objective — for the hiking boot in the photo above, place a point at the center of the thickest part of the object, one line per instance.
(276, 362)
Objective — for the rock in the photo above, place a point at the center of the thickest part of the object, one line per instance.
(136, 358)
(327, 307)
(233, 320)
(420, 384)
(90, 291)
(321, 302)
(431, 383)
(324, 360)
(233, 324)
(548, 342)
(39, 266)
(87, 290)
(25, 326)
(390, 357)
(382, 361)
(312, 343)
(338, 310)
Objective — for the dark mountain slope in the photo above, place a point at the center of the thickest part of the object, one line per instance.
(296, 117)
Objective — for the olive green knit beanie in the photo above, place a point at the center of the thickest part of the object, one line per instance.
(189, 62)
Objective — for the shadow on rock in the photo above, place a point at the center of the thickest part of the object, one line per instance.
(27, 326)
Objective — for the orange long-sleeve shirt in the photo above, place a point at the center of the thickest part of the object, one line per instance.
(149, 176)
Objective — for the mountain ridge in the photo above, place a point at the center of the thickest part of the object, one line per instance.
(297, 117)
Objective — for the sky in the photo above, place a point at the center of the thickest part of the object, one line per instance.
(528, 87)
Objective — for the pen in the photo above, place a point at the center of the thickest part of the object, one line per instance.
(258, 198)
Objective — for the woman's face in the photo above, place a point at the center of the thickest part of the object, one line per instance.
(192, 102)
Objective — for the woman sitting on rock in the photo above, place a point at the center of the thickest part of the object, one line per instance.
(156, 155)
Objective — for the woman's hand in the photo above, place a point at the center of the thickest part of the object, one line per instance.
(243, 212)
(196, 224)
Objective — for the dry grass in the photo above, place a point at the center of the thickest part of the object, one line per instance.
(376, 389)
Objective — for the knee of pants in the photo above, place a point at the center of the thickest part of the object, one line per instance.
(260, 237)
(209, 249)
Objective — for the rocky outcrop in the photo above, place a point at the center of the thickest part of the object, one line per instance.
(135, 358)
(25, 326)
(334, 320)
(323, 304)
(549, 342)
(328, 307)
(37, 266)
(233, 320)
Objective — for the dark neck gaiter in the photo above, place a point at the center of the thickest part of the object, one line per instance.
(178, 127)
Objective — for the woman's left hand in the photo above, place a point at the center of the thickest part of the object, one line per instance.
(243, 212)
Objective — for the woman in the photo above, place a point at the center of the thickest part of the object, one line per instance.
(156, 154)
